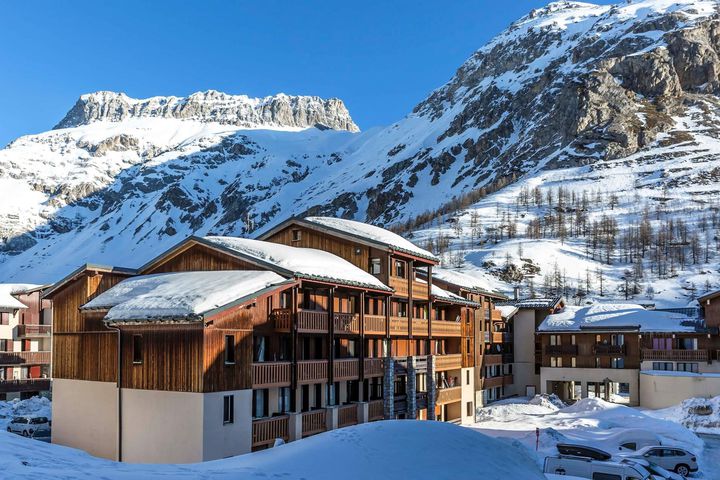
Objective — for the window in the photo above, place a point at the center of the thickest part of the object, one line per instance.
(284, 399)
(375, 266)
(597, 362)
(555, 340)
(666, 366)
(689, 343)
(572, 340)
(556, 361)
(687, 367)
(4, 318)
(605, 476)
(229, 350)
(573, 362)
(296, 235)
(260, 403)
(399, 268)
(618, 339)
(228, 409)
(469, 409)
(137, 349)
(467, 377)
(617, 362)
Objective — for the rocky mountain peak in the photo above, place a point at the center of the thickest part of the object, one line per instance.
(277, 111)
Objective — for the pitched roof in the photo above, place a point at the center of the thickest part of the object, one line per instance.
(181, 296)
(307, 263)
(535, 303)
(476, 282)
(82, 269)
(360, 232)
(443, 295)
(7, 290)
(618, 316)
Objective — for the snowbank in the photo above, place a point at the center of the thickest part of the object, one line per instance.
(613, 315)
(701, 415)
(182, 295)
(389, 449)
(34, 407)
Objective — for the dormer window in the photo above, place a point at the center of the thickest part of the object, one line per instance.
(375, 266)
(296, 235)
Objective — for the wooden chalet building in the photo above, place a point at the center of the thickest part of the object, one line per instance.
(25, 329)
(222, 345)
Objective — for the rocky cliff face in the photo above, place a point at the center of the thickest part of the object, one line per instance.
(213, 106)
(567, 85)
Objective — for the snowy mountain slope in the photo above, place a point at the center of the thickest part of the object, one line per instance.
(572, 85)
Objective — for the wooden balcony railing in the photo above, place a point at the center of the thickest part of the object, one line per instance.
(448, 362)
(492, 359)
(495, 315)
(492, 382)
(346, 323)
(266, 430)
(420, 327)
(561, 349)
(374, 324)
(374, 367)
(312, 321)
(312, 371)
(400, 285)
(25, 358)
(30, 331)
(420, 290)
(605, 349)
(399, 326)
(346, 369)
(376, 410)
(26, 385)
(502, 337)
(313, 422)
(281, 318)
(448, 395)
(446, 328)
(271, 374)
(675, 355)
(348, 415)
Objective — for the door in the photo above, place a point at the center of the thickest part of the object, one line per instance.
(530, 391)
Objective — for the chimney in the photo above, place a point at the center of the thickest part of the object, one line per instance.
(516, 292)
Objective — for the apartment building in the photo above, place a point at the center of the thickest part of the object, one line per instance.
(223, 345)
(25, 330)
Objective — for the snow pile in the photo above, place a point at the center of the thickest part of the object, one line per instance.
(388, 449)
(607, 315)
(700, 415)
(372, 233)
(183, 295)
(550, 401)
(32, 407)
(7, 290)
(301, 262)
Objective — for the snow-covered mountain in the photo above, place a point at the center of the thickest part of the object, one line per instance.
(618, 99)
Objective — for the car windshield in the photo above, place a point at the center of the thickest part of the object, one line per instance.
(658, 470)
(39, 420)
(20, 420)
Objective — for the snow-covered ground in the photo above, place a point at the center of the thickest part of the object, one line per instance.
(589, 422)
(389, 449)
(33, 407)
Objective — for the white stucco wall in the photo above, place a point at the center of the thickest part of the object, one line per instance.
(597, 375)
(227, 440)
(661, 391)
(467, 394)
(524, 353)
(84, 416)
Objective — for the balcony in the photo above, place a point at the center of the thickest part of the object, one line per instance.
(496, 316)
(281, 318)
(376, 410)
(493, 382)
(605, 349)
(374, 324)
(314, 422)
(501, 337)
(399, 326)
(448, 395)
(348, 415)
(312, 371)
(561, 349)
(346, 369)
(400, 285)
(266, 430)
(27, 385)
(271, 374)
(420, 290)
(33, 331)
(25, 358)
(346, 323)
(492, 359)
(374, 367)
(446, 328)
(308, 321)
(675, 355)
(448, 362)
(420, 327)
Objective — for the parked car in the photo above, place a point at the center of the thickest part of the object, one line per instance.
(29, 426)
(585, 467)
(670, 458)
(633, 439)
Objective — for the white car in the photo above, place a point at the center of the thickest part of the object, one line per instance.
(670, 458)
(585, 467)
(29, 426)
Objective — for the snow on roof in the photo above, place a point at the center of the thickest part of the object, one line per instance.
(441, 294)
(373, 234)
(301, 262)
(507, 311)
(537, 302)
(181, 295)
(617, 315)
(7, 290)
(476, 281)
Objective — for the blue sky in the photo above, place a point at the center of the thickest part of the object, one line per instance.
(380, 57)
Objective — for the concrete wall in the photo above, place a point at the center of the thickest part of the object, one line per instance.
(661, 391)
(596, 375)
(467, 394)
(524, 353)
(84, 416)
(227, 440)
